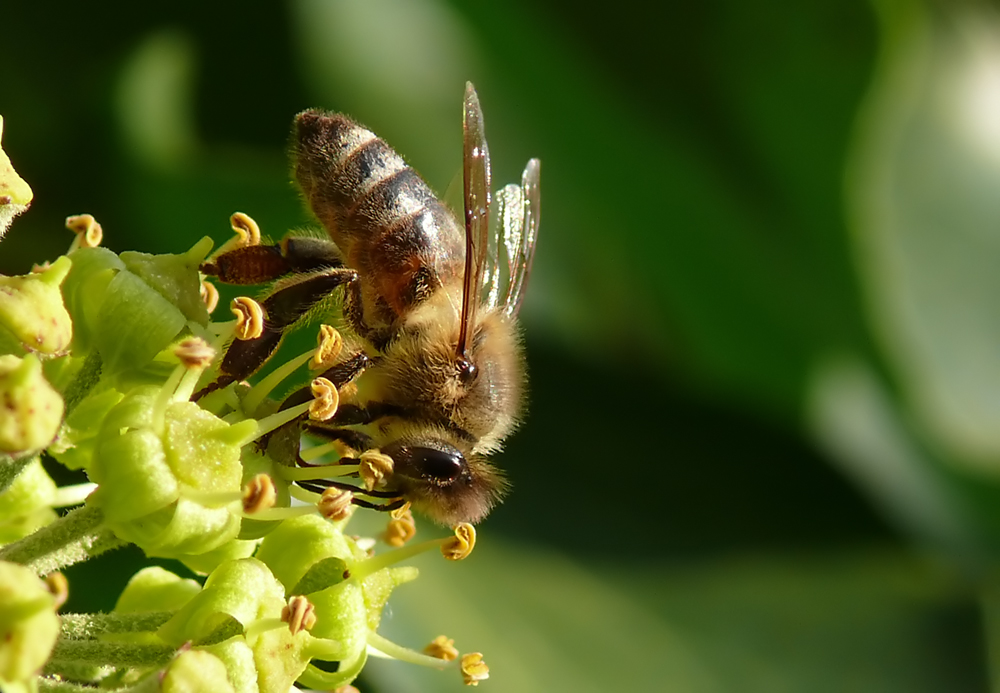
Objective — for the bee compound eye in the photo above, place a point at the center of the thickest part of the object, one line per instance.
(439, 465)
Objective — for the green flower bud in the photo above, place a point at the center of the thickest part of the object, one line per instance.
(28, 624)
(117, 313)
(30, 409)
(347, 608)
(244, 590)
(196, 671)
(76, 443)
(15, 195)
(84, 291)
(175, 277)
(32, 309)
(241, 668)
(156, 589)
(205, 563)
(161, 467)
(26, 504)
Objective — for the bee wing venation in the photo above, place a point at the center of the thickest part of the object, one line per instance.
(519, 215)
(476, 178)
(495, 276)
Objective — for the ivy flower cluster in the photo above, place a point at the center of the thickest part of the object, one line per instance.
(100, 355)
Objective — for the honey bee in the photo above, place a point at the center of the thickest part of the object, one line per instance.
(440, 373)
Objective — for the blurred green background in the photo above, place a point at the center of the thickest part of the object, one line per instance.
(763, 447)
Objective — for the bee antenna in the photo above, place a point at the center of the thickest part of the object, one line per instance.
(319, 485)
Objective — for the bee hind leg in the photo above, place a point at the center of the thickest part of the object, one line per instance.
(282, 309)
(260, 264)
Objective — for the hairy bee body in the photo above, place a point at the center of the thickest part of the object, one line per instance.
(404, 243)
(431, 302)
(410, 255)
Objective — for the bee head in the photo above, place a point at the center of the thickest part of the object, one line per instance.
(444, 483)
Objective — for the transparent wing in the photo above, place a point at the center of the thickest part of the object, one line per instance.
(476, 178)
(518, 215)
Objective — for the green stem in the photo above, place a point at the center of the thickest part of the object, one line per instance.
(404, 654)
(11, 468)
(88, 376)
(71, 671)
(149, 684)
(116, 654)
(364, 568)
(92, 626)
(72, 538)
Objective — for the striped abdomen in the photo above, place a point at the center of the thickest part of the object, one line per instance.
(391, 228)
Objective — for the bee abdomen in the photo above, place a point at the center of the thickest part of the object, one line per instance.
(383, 216)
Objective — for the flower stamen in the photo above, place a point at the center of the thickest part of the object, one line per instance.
(401, 527)
(335, 504)
(331, 343)
(59, 587)
(474, 669)
(259, 494)
(326, 400)
(299, 614)
(195, 353)
(442, 647)
(210, 295)
(89, 233)
(247, 231)
(249, 318)
(459, 547)
(374, 468)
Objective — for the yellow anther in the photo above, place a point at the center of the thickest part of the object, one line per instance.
(401, 512)
(401, 527)
(442, 647)
(299, 614)
(246, 229)
(259, 494)
(326, 400)
(461, 545)
(194, 352)
(474, 669)
(330, 345)
(374, 467)
(249, 318)
(88, 232)
(335, 504)
(59, 587)
(209, 295)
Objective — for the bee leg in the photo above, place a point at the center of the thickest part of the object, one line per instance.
(354, 314)
(260, 264)
(282, 309)
(339, 374)
(356, 440)
(355, 415)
